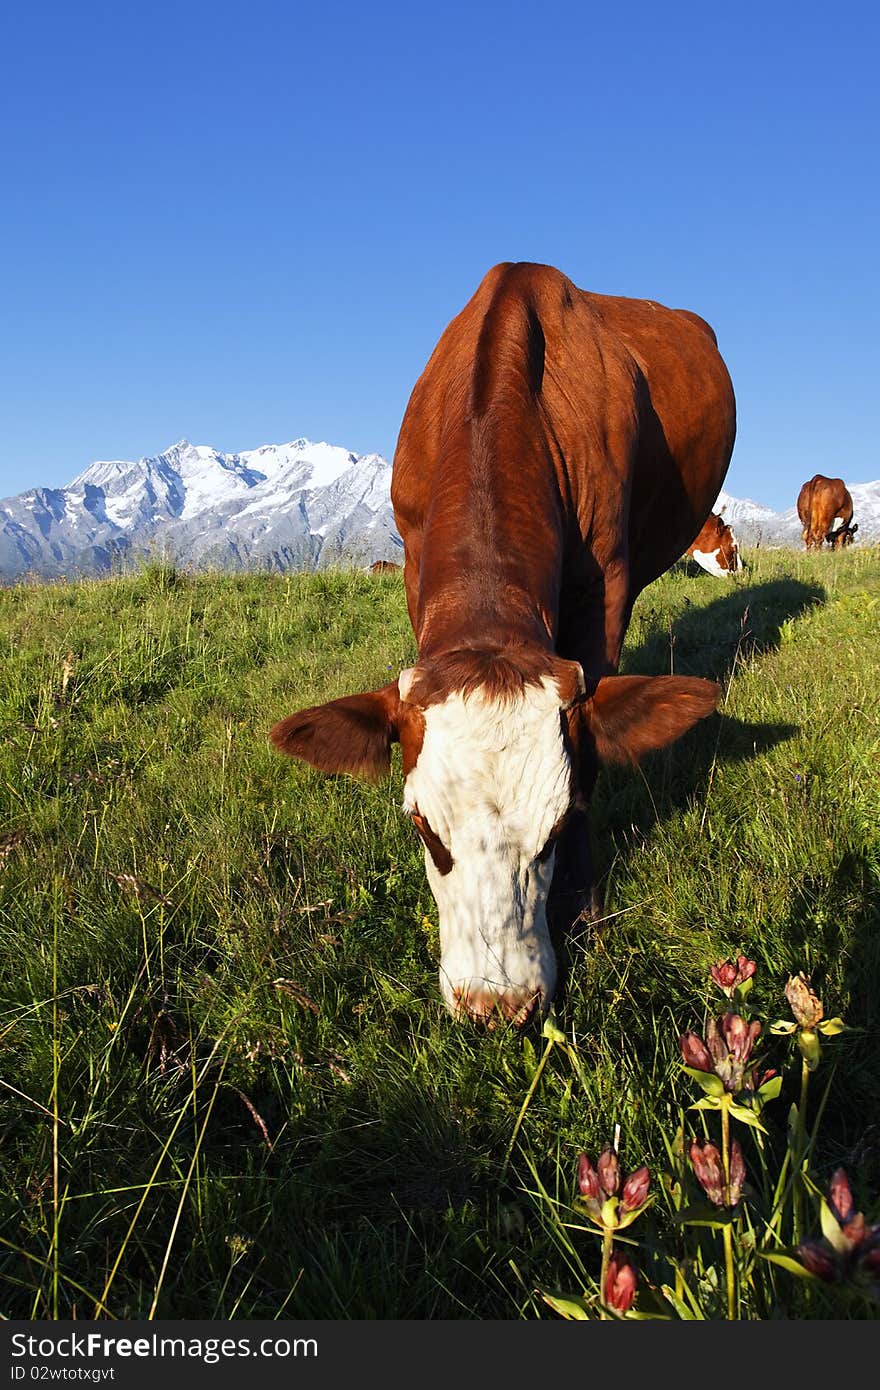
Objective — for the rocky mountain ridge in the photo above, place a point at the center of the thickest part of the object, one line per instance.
(301, 505)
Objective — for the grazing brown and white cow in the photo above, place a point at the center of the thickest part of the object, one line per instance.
(716, 549)
(557, 454)
(825, 510)
(383, 567)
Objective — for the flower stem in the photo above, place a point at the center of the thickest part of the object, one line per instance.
(607, 1243)
(524, 1107)
(799, 1144)
(731, 1279)
(728, 1229)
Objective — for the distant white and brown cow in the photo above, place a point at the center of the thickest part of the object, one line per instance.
(557, 454)
(825, 511)
(716, 549)
(383, 567)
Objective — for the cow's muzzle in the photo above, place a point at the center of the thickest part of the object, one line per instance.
(493, 1007)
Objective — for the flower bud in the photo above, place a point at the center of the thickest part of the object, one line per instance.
(724, 976)
(739, 1035)
(588, 1182)
(737, 1172)
(727, 975)
(608, 1169)
(841, 1196)
(709, 1170)
(717, 1046)
(620, 1283)
(694, 1052)
(816, 1256)
(745, 969)
(763, 1078)
(635, 1189)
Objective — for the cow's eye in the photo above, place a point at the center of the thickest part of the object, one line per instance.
(433, 844)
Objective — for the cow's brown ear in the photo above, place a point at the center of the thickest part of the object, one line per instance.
(629, 716)
(352, 735)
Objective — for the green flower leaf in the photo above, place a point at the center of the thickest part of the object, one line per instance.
(553, 1033)
(746, 1117)
(770, 1090)
(567, 1305)
(782, 1027)
(588, 1207)
(831, 1027)
(831, 1228)
(707, 1103)
(609, 1212)
(711, 1084)
(628, 1217)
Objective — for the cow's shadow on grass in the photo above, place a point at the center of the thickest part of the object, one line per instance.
(710, 641)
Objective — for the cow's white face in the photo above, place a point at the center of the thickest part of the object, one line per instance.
(709, 560)
(723, 560)
(488, 782)
(492, 783)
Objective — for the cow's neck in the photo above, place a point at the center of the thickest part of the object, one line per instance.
(491, 555)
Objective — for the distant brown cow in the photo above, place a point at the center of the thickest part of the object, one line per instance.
(825, 510)
(383, 566)
(716, 548)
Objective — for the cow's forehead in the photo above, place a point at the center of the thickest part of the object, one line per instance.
(503, 758)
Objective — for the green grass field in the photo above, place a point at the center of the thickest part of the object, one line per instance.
(229, 1087)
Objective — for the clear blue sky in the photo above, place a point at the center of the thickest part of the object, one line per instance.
(243, 223)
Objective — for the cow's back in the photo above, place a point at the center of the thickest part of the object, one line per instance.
(627, 401)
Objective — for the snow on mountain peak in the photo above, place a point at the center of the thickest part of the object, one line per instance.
(285, 506)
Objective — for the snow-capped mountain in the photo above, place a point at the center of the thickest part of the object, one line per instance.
(283, 506)
(301, 505)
